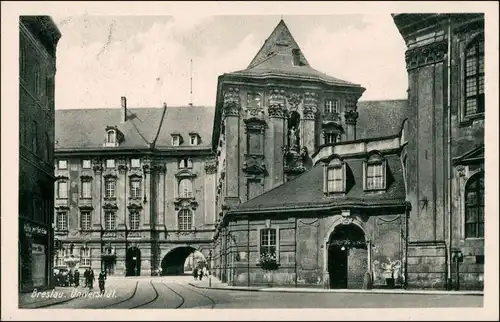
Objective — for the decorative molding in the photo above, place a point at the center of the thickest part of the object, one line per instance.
(61, 177)
(295, 161)
(109, 173)
(254, 164)
(293, 101)
(185, 203)
(135, 172)
(185, 173)
(85, 177)
(211, 168)
(122, 165)
(429, 54)
(134, 203)
(350, 117)
(310, 105)
(110, 204)
(231, 102)
(97, 165)
(329, 118)
(276, 111)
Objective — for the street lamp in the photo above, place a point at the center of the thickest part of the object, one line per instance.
(457, 257)
(210, 268)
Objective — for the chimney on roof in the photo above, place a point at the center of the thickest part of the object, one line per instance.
(124, 108)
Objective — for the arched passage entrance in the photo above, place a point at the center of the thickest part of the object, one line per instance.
(133, 262)
(347, 257)
(173, 262)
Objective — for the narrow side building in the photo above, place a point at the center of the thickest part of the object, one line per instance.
(38, 38)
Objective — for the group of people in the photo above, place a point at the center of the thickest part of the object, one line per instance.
(200, 272)
(89, 277)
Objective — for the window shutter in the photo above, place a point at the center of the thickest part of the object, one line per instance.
(364, 175)
(325, 181)
(384, 164)
(344, 177)
(277, 244)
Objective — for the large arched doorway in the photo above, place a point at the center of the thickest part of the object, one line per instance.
(347, 257)
(133, 262)
(179, 259)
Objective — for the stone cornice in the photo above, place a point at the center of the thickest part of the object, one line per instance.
(231, 102)
(432, 53)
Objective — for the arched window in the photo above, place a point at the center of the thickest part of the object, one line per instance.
(474, 207)
(185, 188)
(185, 220)
(474, 76)
(111, 137)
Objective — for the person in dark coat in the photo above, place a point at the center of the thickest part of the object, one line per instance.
(70, 278)
(91, 279)
(76, 277)
(86, 277)
(195, 273)
(102, 281)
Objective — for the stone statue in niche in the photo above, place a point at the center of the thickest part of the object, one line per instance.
(293, 138)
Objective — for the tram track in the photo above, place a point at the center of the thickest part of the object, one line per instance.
(195, 291)
(150, 301)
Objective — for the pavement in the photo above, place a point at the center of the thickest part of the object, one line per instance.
(183, 292)
(216, 284)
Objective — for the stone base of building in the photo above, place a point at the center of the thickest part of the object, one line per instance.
(427, 265)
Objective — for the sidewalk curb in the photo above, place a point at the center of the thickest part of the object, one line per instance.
(293, 290)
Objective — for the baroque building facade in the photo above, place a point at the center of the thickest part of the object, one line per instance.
(299, 190)
(135, 188)
(445, 152)
(38, 38)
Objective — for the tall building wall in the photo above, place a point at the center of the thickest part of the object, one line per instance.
(38, 37)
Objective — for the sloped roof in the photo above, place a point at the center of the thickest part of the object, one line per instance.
(84, 129)
(275, 58)
(306, 191)
(380, 118)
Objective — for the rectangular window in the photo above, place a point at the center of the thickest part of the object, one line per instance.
(85, 257)
(194, 140)
(62, 189)
(85, 220)
(61, 253)
(86, 164)
(135, 163)
(375, 176)
(134, 220)
(185, 220)
(254, 143)
(135, 188)
(110, 164)
(331, 106)
(109, 221)
(176, 140)
(110, 187)
(37, 80)
(111, 137)
(330, 138)
(474, 77)
(335, 182)
(87, 189)
(62, 164)
(62, 221)
(185, 163)
(268, 241)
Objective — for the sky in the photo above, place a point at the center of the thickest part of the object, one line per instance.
(148, 58)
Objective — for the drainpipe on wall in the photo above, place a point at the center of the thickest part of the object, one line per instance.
(449, 165)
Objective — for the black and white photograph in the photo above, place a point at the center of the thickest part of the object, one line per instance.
(172, 156)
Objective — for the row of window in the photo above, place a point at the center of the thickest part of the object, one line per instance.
(61, 254)
(184, 163)
(375, 174)
(185, 188)
(184, 220)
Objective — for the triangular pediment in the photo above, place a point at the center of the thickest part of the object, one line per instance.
(254, 168)
(280, 42)
(474, 155)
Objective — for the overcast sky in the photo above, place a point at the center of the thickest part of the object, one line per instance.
(147, 58)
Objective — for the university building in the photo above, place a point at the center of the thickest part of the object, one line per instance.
(316, 188)
(135, 188)
(38, 38)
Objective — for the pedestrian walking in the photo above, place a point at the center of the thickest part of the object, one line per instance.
(200, 274)
(91, 279)
(77, 278)
(205, 271)
(86, 277)
(102, 281)
(195, 273)
(70, 278)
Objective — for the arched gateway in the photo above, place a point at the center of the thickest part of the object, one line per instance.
(173, 262)
(347, 257)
